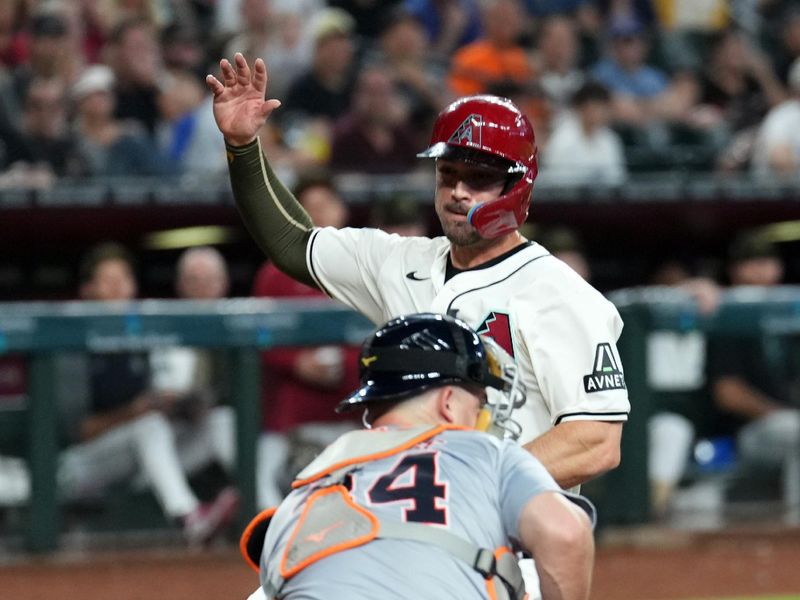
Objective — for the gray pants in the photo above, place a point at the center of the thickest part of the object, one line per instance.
(774, 440)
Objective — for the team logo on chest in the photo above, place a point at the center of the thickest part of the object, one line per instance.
(498, 327)
(607, 374)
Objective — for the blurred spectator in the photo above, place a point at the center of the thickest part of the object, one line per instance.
(324, 90)
(399, 214)
(45, 148)
(789, 49)
(110, 147)
(737, 90)
(564, 244)
(186, 133)
(703, 289)
(374, 136)
(370, 15)
(497, 56)
(641, 93)
(202, 274)
(557, 60)
(685, 28)
(582, 148)
(302, 385)
(156, 12)
(132, 431)
(640, 11)
(13, 37)
(777, 145)
(449, 24)
(15, 481)
(134, 55)
(282, 39)
(50, 57)
(403, 52)
(182, 50)
(746, 383)
(548, 8)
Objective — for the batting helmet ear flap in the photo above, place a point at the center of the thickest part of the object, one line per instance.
(505, 214)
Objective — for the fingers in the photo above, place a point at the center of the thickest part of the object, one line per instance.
(269, 106)
(228, 74)
(260, 75)
(242, 69)
(214, 85)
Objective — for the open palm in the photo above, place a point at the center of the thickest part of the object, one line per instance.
(239, 106)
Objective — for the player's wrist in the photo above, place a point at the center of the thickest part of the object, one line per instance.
(240, 144)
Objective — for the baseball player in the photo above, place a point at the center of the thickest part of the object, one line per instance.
(420, 504)
(561, 332)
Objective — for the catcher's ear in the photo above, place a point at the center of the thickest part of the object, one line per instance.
(251, 543)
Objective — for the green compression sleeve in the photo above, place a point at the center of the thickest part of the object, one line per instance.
(272, 215)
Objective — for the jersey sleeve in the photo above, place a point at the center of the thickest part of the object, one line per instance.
(345, 264)
(571, 339)
(522, 477)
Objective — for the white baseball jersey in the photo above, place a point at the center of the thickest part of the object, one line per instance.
(561, 332)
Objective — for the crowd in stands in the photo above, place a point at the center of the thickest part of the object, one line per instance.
(106, 88)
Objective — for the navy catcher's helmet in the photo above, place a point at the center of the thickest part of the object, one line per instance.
(415, 353)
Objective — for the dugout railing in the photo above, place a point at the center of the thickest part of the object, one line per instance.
(241, 327)
(650, 314)
(244, 327)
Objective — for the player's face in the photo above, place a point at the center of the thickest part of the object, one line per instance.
(459, 187)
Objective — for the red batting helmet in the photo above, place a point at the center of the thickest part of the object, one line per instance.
(491, 131)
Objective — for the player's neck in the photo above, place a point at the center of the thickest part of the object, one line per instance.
(467, 257)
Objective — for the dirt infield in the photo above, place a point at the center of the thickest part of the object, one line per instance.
(634, 567)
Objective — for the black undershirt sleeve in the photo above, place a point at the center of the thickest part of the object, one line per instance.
(272, 215)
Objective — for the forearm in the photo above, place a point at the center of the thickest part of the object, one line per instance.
(558, 535)
(736, 396)
(577, 451)
(277, 222)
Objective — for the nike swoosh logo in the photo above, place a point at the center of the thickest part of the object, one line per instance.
(318, 537)
(413, 276)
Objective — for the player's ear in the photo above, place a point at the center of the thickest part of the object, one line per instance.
(445, 404)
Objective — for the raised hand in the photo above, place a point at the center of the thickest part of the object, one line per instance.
(239, 105)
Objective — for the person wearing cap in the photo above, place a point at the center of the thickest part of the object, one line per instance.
(640, 92)
(746, 385)
(426, 500)
(109, 146)
(777, 146)
(324, 90)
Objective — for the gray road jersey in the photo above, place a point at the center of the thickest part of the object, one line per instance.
(465, 481)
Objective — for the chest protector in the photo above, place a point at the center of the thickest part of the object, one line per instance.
(331, 521)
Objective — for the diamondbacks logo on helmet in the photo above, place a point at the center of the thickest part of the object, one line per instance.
(466, 132)
(498, 327)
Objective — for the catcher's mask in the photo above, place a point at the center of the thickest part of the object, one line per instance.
(493, 132)
(415, 353)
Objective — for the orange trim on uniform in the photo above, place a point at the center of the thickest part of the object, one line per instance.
(491, 589)
(346, 545)
(426, 435)
(256, 523)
